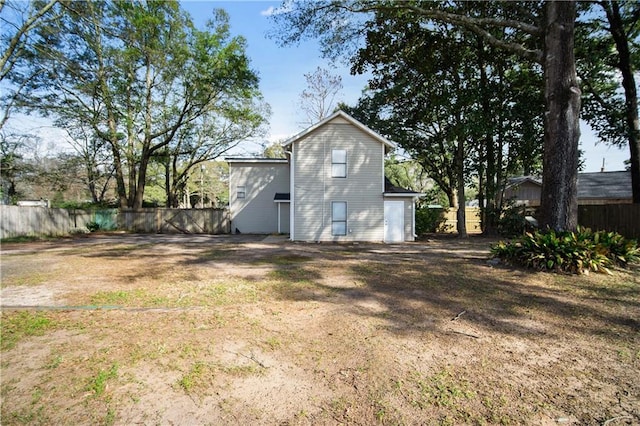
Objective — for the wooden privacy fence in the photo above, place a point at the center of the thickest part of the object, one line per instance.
(169, 221)
(621, 218)
(17, 221)
(472, 216)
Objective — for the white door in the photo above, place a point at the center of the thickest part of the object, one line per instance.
(394, 221)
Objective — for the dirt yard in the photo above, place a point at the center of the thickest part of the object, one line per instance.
(196, 330)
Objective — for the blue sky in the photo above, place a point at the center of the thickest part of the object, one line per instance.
(281, 71)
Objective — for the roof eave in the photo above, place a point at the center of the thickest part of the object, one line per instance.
(347, 117)
(403, 194)
(256, 160)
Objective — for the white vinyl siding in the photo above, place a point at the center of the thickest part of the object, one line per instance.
(338, 218)
(256, 213)
(315, 189)
(339, 163)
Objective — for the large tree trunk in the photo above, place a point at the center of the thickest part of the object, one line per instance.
(461, 216)
(621, 40)
(559, 198)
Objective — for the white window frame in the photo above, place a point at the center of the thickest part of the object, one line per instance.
(338, 168)
(339, 220)
(241, 189)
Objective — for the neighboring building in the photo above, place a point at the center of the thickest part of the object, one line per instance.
(523, 190)
(331, 187)
(605, 188)
(593, 188)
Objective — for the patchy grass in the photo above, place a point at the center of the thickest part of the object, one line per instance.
(318, 334)
(195, 376)
(17, 326)
(98, 384)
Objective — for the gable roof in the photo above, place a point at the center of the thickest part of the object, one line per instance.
(346, 117)
(592, 185)
(604, 185)
(519, 180)
(255, 160)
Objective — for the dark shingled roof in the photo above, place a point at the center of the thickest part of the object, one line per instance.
(595, 185)
(282, 196)
(604, 185)
(390, 188)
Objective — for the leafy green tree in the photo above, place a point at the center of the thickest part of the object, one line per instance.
(424, 75)
(439, 91)
(274, 150)
(147, 81)
(608, 49)
(14, 167)
(95, 157)
(18, 20)
(407, 174)
(542, 33)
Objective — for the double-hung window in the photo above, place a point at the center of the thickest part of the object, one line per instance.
(241, 192)
(339, 218)
(339, 163)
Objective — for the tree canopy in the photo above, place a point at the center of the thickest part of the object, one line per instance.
(535, 32)
(454, 110)
(608, 51)
(147, 83)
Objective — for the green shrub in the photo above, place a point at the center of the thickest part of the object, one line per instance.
(429, 220)
(572, 252)
(511, 221)
(93, 226)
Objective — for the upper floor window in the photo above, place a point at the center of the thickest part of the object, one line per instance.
(339, 163)
(241, 192)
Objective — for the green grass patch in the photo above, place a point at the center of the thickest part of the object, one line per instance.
(18, 325)
(119, 298)
(98, 384)
(131, 298)
(195, 377)
(442, 389)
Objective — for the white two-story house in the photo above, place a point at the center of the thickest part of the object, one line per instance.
(330, 187)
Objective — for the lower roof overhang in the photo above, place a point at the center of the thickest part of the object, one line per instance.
(414, 195)
(282, 197)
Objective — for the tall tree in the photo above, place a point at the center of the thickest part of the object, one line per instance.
(95, 157)
(202, 142)
(542, 33)
(440, 92)
(14, 149)
(608, 47)
(318, 99)
(18, 19)
(142, 76)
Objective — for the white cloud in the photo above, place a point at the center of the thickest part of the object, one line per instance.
(271, 11)
(268, 12)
